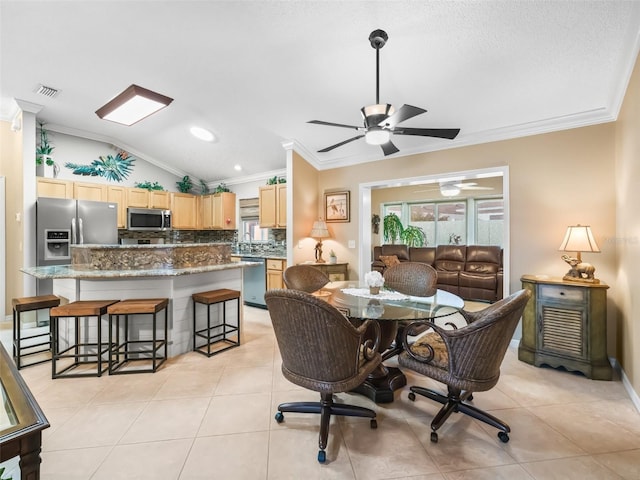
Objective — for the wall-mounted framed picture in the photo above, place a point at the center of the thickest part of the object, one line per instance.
(336, 206)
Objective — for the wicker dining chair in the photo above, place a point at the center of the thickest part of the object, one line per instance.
(412, 278)
(321, 351)
(304, 278)
(466, 359)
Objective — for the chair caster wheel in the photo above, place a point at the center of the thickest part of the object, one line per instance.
(470, 398)
(412, 396)
(504, 438)
(374, 423)
(279, 417)
(434, 437)
(322, 456)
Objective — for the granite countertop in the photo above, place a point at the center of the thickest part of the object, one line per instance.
(146, 246)
(68, 271)
(275, 256)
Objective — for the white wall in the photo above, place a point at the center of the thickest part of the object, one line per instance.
(69, 148)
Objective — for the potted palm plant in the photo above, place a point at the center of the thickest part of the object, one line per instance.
(392, 228)
(413, 236)
(45, 166)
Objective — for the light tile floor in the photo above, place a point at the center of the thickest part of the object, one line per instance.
(212, 418)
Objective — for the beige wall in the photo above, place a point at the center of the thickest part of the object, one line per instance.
(11, 168)
(304, 210)
(627, 237)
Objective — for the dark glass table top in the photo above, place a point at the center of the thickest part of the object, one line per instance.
(354, 301)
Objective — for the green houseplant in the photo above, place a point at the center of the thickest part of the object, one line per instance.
(185, 185)
(43, 151)
(149, 186)
(392, 228)
(413, 236)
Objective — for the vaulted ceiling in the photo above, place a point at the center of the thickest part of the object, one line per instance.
(255, 72)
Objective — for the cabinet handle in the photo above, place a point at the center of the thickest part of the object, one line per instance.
(562, 294)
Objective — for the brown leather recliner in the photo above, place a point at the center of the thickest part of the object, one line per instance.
(482, 276)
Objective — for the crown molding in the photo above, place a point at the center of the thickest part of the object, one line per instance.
(29, 107)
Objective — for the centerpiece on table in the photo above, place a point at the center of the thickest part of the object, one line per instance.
(374, 281)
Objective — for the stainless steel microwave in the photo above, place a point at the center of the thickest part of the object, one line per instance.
(149, 219)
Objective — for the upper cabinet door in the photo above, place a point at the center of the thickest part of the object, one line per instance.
(159, 199)
(54, 188)
(90, 191)
(184, 211)
(138, 198)
(281, 219)
(119, 195)
(267, 206)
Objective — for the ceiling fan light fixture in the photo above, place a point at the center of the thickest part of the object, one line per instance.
(132, 105)
(449, 190)
(377, 136)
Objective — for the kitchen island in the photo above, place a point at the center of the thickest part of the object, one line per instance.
(103, 272)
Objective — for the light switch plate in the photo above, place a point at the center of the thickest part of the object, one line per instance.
(352, 244)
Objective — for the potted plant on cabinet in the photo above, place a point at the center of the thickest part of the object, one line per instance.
(45, 166)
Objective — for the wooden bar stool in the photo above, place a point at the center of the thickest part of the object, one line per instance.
(41, 341)
(220, 332)
(140, 350)
(81, 352)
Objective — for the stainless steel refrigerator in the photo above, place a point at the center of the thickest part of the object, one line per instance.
(62, 222)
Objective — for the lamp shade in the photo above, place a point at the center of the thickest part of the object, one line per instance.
(579, 238)
(319, 230)
(132, 105)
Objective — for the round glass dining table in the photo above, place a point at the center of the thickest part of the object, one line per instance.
(392, 310)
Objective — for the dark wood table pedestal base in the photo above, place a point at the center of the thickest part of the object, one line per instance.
(381, 384)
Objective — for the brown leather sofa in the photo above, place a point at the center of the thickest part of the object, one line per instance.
(474, 272)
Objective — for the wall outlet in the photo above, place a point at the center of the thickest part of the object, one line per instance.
(352, 244)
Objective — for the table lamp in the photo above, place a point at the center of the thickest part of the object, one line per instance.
(579, 238)
(319, 231)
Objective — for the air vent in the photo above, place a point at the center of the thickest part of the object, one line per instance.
(47, 91)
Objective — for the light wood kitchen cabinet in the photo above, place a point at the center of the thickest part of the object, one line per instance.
(119, 195)
(184, 211)
(90, 191)
(159, 199)
(137, 198)
(275, 267)
(273, 206)
(219, 211)
(54, 188)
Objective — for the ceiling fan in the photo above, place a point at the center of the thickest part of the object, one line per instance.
(381, 120)
(453, 188)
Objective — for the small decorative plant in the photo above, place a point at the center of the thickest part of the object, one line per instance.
(221, 188)
(413, 236)
(282, 180)
(332, 257)
(185, 185)
(374, 281)
(2, 477)
(44, 150)
(204, 188)
(392, 228)
(149, 186)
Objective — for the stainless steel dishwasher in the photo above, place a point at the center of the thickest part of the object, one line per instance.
(254, 283)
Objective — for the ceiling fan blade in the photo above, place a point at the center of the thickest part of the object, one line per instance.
(340, 144)
(330, 124)
(405, 112)
(449, 133)
(389, 148)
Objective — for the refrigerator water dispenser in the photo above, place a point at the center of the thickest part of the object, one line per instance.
(57, 244)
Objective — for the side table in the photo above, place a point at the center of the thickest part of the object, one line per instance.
(337, 272)
(565, 325)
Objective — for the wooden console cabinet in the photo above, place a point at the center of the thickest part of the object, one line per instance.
(337, 272)
(565, 325)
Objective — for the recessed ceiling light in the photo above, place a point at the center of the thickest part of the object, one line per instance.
(132, 105)
(238, 168)
(202, 134)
